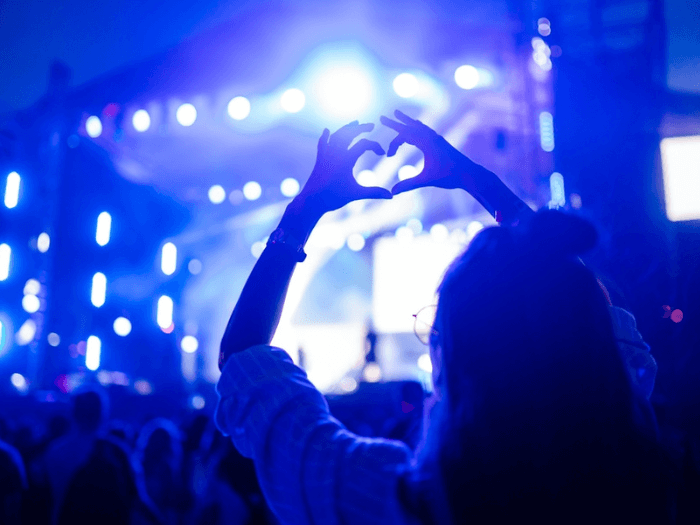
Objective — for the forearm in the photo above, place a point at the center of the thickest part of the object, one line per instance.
(259, 307)
(494, 195)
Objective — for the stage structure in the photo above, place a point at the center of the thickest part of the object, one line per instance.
(158, 184)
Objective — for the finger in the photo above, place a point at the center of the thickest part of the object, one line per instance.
(345, 135)
(408, 185)
(396, 126)
(394, 145)
(323, 140)
(375, 192)
(364, 145)
(405, 118)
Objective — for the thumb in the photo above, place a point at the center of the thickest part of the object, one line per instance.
(408, 185)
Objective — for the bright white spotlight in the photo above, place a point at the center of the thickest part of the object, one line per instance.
(32, 287)
(164, 315)
(372, 373)
(217, 194)
(93, 126)
(425, 364)
(54, 339)
(344, 91)
(467, 77)
(252, 190)
(92, 353)
(408, 171)
(556, 189)
(439, 232)
(19, 382)
(31, 303)
(189, 344)
(141, 120)
(5, 254)
(406, 85)
(293, 100)
(168, 258)
(239, 108)
(680, 161)
(546, 131)
(122, 326)
(12, 190)
(104, 228)
(186, 114)
(26, 333)
(290, 187)
(356, 242)
(99, 289)
(43, 242)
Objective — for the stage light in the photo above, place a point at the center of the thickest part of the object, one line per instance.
(290, 187)
(415, 226)
(473, 228)
(575, 200)
(122, 326)
(164, 314)
(439, 232)
(141, 120)
(5, 254)
(425, 364)
(19, 382)
(348, 385)
(43, 242)
(12, 190)
(257, 248)
(407, 172)
(32, 287)
(143, 387)
(252, 190)
(194, 266)
(372, 373)
(366, 178)
(197, 402)
(356, 242)
(467, 77)
(168, 258)
(93, 126)
(189, 344)
(543, 27)
(556, 189)
(404, 233)
(217, 194)
(31, 303)
(104, 228)
(186, 114)
(99, 289)
(293, 100)
(236, 197)
(547, 131)
(92, 353)
(53, 339)
(680, 161)
(239, 108)
(344, 91)
(406, 85)
(26, 333)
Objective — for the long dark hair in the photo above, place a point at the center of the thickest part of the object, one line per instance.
(538, 417)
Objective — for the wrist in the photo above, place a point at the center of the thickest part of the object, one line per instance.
(300, 217)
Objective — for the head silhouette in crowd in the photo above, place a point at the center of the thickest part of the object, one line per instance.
(90, 408)
(13, 483)
(534, 410)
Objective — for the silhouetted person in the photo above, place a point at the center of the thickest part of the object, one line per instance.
(13, 484)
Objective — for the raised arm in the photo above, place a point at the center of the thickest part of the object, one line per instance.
(446, 167)
(331, 186)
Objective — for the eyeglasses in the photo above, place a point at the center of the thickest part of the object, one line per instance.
(423, 324)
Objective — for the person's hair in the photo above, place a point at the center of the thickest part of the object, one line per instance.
(537, 418)
(90, 407)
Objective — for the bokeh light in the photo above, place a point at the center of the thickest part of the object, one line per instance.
(217, 194)
(252, 191)
(93, 126)
(31, 303)
(290, 187)
(189, 344)
(467, 77)
(186, 114)
(238, 108)
(122, 326)
(356, 242)
(43, 242)
(344, 91)
(293, 100)
(141, 120)
(53, 339)
(12, 190)
(406, 85)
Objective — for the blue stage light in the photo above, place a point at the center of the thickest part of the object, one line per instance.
(186, 114)
(168, 259)
(26, 333)
(547, 131)
(164, 314)
(53, 339)
(31, 303)
(32, 287)
(289, 187)
(93, 353)
(293, 100)
(99, 289)
(252, 190)
(556, 188)
(93, 126)
(5, 255)
(217, 194)
(122, 326)
(467, 77)
(104, 228)
(189, 344)
(12, 190)
(344, 91)
(141, 120)
(19, 382)
(239, 108)
(43, 242)
(406, 85)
